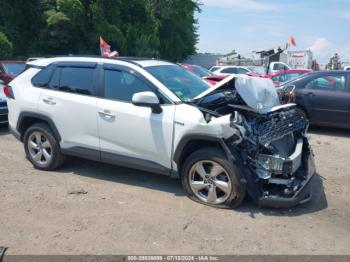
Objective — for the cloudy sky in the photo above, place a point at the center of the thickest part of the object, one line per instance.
(246, 25)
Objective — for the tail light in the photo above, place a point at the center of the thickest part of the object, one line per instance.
(8, 92)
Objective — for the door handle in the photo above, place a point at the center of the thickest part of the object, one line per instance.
(310, 94)
(106, 114)
(49, 101)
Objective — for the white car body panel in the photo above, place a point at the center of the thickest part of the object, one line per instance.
(136, 132)
(75, 117)
(190, 121)
(26, 95)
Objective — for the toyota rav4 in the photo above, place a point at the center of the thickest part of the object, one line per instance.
(222, 141)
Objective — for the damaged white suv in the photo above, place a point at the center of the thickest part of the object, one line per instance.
(222, 141)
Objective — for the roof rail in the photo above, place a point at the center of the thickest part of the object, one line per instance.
(129, 59)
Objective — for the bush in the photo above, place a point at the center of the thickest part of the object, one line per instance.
(5, 47)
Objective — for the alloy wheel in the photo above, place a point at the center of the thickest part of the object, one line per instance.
(210, 182)
(40, 148)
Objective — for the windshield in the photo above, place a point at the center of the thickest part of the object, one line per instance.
(14, 69)
(181, 82)
(200, 71)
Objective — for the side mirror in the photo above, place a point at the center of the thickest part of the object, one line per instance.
(147, 99)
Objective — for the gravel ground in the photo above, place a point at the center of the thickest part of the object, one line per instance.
(93, 208)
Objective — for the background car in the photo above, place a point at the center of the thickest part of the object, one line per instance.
(205, 74)
(10, 69)
(214, 68)
(283, 76)
(229, 70)
(3, 105)
(322, 96)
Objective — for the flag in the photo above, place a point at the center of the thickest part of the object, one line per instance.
(292, 41)
(105, 49)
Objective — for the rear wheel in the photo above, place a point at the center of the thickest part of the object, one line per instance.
(42, 148)
(209, 177)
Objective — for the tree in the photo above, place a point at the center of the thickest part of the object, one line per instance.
(152, 28)
(178, 27)
(5, 47)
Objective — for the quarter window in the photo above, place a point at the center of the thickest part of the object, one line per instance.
(122, 85)
(42, 78)
(331, 83)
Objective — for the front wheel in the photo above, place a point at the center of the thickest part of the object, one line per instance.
(210, 178)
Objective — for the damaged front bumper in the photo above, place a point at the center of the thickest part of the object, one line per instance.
(304, 192)
(279, 192)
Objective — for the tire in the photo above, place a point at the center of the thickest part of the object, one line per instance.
(219, 174)
(41, 147)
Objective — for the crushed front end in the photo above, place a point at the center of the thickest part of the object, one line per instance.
(267, 140)
(277, 158)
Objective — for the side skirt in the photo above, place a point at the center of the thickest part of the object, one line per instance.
(119, 160)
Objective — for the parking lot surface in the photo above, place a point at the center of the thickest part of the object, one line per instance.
(92, 208)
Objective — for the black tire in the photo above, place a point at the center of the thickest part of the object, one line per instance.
(238, 191)
(56, 159)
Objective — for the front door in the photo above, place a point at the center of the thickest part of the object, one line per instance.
(129, 134)
(329, 98)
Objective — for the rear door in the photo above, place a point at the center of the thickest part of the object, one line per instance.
(329, 98)
(132, 134)
(69, 99)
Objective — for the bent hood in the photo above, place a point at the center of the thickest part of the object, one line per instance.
(258, 93)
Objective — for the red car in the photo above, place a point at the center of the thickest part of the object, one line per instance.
(203, 73)
(283, 76)
(10, 69)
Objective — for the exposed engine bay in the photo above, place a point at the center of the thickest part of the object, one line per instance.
(270, 140)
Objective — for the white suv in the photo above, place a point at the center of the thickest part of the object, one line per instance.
(222, 141)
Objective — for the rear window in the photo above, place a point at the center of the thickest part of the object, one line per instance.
(14, 68)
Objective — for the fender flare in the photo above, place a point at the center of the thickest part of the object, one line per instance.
(199, 137)
(48, 120)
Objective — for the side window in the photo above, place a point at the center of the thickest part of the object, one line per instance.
(55, 79)
(229, 70)
(121, 85)
(242, 71)
(77, 80)
(279, 66)
(330, 83)
(278, 78)
(291, 76)
(42, 78)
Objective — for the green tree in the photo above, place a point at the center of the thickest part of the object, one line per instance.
(153, 28)
(5, 47)
(178, 27)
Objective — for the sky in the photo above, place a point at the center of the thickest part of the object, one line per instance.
(253, 25)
